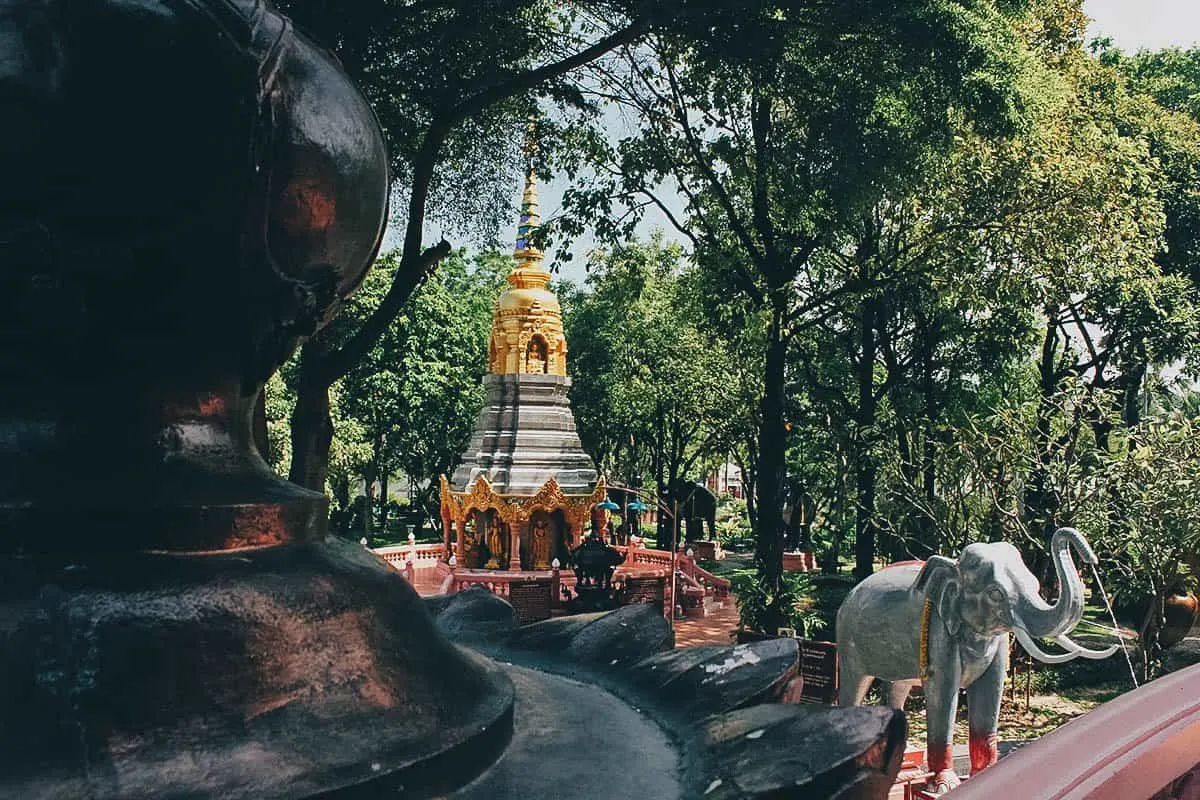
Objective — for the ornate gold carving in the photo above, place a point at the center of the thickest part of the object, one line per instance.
(517, 510)
(495, 543)
(540, 540)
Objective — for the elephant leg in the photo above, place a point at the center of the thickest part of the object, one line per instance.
(852, 683)
(941, 706)
(983, 712)
(898, 693)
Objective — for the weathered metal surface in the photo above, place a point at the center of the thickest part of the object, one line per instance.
(281, 672)
(190, 187)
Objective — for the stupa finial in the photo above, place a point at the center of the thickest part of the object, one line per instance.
(528, 255)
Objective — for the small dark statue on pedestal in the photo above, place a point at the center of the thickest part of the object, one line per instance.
(187, 189)
(595, 562)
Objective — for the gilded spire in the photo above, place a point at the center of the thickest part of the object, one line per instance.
(527, 255)
(527, 329)
(528, 271)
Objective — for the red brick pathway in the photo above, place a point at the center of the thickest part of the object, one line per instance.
(716, 628)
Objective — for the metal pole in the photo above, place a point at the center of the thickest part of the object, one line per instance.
(625, 518)
(674, 560)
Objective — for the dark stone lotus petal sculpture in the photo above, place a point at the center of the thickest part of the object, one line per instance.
(718, 701)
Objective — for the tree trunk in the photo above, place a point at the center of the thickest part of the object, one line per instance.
(312, 426)
(830, 563)
(993, 526)
(262, 442)
(1040, 502)
(930, 443)
(865, 527)
(768, 533)
(911, 521)
(1131, 397)
(383, 501)
(748, 466)
(662, 529)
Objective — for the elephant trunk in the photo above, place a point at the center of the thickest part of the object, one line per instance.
(1044, 620)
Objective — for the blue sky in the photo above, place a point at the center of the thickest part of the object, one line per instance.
(1153, 24)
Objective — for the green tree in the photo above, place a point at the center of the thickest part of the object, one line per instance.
(1170, 79)
(779, 129)
(1160, 525)
(651, 388)
(417, 392)
(449, 84)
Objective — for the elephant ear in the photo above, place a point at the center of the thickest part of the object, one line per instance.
(938, 580)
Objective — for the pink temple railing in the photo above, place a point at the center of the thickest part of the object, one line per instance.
(720, 587)
(422, 556)
(641, 562)
(1144, 745)
(643, 555)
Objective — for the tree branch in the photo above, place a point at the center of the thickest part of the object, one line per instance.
(415, 264)
(529, 80)
(409, 276)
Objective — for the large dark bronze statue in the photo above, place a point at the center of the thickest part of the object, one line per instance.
(188, 188)
(697, 506)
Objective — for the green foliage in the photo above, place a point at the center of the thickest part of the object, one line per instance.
(784, 125)
(349, 453)
(810, 602)
(1151, 520)
(755, 602)
(650, 386)
(1169, 79)
(733, 523)
(409, 407)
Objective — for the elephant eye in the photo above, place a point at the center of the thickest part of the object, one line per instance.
(996, 594)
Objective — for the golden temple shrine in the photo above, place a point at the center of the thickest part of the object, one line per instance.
(525, 489)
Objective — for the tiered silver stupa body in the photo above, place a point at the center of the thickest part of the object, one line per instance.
(525, 436)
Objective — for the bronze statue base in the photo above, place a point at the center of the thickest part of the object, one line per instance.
(288, 671)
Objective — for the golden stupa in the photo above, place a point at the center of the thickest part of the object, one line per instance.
(525, 489)
(527, 329)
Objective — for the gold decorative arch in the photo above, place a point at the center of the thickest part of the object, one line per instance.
(517, 509)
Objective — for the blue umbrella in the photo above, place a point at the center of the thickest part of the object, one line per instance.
(608, 505)
(637, 506)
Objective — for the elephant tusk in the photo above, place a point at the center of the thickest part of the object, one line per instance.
(1084, 652)
(1041, 655)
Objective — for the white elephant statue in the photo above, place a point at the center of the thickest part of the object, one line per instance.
(944, 624)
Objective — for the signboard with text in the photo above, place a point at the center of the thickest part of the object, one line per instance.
(531, 599)
(818, 668)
